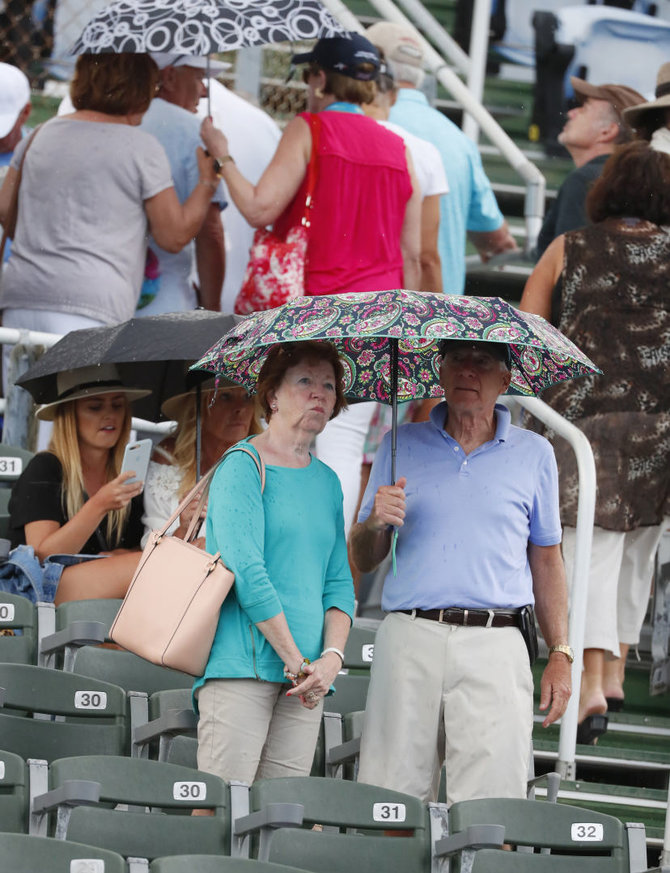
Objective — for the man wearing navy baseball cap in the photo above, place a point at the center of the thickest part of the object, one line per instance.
(352, 55)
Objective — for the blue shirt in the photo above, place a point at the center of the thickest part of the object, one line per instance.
(470, 203)
(287, 550)
(469, 518)
(178, 131)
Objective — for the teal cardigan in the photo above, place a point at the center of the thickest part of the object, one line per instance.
(287, 550)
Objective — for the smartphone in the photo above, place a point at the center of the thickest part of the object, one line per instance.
(136, 457)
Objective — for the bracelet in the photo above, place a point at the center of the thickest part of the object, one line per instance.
(294, 678)
(210, 183)
(219, 162)
(333, 649)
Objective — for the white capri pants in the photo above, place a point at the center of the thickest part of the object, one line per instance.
(340, 445)
(621, 573)
(440, 692)
(249, 729)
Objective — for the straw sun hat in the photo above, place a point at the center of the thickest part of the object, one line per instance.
(87, 382)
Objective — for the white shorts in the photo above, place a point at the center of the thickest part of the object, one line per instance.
(341, 445)
(443, 693)
(621, 573)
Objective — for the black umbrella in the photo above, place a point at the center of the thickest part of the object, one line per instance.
(151, 352)
(200, 27)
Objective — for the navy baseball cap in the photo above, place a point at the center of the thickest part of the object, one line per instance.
(499, 351)
(343, 54)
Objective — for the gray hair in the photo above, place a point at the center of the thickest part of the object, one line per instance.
(406, 73)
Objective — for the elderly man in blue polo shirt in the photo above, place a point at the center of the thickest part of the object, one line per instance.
(476, 505)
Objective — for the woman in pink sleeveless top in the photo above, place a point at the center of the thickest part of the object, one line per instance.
(365, 217)
(366, 208)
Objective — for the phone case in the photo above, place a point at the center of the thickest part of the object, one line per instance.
(136, 457)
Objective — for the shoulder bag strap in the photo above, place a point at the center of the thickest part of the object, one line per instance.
(13, 212)
(315, 127)
(204, 489)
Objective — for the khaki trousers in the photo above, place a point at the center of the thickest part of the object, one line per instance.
(250, 730)
(443, 693)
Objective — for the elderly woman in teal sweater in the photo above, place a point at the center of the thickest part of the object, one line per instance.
(282, 629)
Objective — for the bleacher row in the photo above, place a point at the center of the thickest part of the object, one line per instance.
(98, 773)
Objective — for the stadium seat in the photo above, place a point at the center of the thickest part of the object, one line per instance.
(92, 716)
(214, 864)
(20, 621)
(562, 838)
(359, 650)
(14, 794)
(127, 670)
(156, 801)
(350, 695)
(13, 460)
(356, 818)
(20, 853)
(77, 623)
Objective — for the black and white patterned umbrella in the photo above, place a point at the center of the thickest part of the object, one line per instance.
(200, 27)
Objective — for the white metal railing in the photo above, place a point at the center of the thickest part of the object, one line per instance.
(535, 181)
(586, 505)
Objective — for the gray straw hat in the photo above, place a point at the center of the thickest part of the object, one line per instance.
(88, 382)
(633, 114)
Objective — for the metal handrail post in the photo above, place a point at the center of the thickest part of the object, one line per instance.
(479, 46)
(438, 35)
(586, 505)
(535, 181)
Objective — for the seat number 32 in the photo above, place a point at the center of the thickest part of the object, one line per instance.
(395, 812)
(585, 832)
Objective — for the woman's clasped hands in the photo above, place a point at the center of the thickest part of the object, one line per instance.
(313, 680)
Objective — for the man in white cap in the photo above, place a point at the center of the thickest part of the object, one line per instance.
(14, 111)
(470, 208)
(593, 129)
(172, 120)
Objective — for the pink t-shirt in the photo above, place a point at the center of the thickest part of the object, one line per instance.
(359, 202)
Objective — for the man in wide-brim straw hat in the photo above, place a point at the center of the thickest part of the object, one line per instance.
(650, 120)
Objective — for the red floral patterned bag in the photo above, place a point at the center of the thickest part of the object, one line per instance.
(276, 269)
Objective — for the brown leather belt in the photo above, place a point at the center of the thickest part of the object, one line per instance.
(467, 617)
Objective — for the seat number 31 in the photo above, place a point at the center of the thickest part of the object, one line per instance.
(391, 812)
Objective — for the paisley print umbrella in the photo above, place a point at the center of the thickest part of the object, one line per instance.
(388, 342)
(200, 27)
(369, 329)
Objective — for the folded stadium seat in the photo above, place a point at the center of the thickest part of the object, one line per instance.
(77, 623)
(357, 823)
(215, 864)
(20, 622)
(14, 794)
(156, 798)
(351, 692)
(170, 714)
(92, 717)
(565, 838)
(20, 853)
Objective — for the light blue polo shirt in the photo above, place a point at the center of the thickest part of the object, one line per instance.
(469, 518)
(470, 203)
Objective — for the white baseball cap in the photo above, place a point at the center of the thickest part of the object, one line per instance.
(14, 94)
(166, 59)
